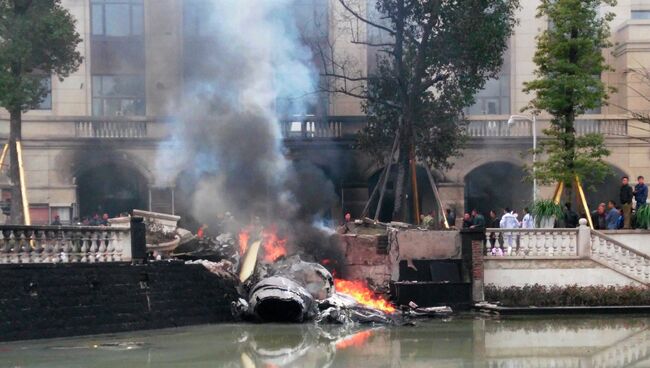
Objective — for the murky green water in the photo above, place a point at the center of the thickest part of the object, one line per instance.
(597, 341)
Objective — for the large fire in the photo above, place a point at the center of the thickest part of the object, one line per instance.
(274, 247)
(362, 294)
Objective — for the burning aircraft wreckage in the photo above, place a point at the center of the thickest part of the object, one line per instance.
(277, 287)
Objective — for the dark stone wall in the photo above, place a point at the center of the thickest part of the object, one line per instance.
(40, 301)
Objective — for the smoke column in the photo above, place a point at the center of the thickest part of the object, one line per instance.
(228, 136)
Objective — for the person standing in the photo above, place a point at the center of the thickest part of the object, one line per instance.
(451, 218)
(493, 223)
(478, 220)
(570, 216)
(613, 216)
(467, 220)
(598, 217)
(509, 221)
(640, 193)
(528, 222)
(626, 202)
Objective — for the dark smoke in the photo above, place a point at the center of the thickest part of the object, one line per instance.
(227, 140)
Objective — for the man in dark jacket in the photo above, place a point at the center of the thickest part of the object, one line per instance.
(598, 217)
(640, 192)
(570, 216)
(478, 220)
(626, 202)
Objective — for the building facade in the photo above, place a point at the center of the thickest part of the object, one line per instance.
(92, 145)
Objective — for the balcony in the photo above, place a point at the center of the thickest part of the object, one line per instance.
(523, 128)
(333, 127)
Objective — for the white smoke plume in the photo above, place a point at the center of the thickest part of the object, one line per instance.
(227, 137)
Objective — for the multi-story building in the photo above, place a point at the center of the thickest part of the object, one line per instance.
(92, 144)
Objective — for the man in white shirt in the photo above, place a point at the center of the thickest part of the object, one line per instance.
(509, 221)
(528, 222)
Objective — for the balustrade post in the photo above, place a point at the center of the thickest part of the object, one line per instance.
(138, 244)
(584, 239)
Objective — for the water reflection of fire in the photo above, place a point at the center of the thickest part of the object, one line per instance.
(356, 340)
(362, 294)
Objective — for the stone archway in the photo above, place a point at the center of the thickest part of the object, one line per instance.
(111, 187)
(496, 185)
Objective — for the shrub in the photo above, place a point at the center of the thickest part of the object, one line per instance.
(565, 296)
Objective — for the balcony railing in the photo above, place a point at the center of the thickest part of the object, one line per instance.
(111, 129)
(332, 127)
(524, 128)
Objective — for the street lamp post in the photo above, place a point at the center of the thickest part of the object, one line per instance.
(532, 119)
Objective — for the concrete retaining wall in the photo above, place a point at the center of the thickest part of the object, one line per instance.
(39, 301)
(581, 272)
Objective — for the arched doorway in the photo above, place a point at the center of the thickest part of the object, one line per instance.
(496, 185)
(111, 188)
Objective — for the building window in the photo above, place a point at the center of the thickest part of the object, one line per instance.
(46, 102)
(117, 18)
(494, 98)
(196, 18)
(117, 95)
(640, 14)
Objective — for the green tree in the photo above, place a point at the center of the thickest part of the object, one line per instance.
(37, 39)
(432, 57)
(570, 61)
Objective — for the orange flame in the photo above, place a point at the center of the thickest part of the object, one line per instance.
(356, 340)
(363, 295)
(244, 235)
(273, 246)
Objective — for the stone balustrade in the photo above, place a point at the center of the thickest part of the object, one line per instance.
(111, 129)
(539, 243)
(478, 128)
(64, 244)
(615, 255)
(313, 127)
(581, 242)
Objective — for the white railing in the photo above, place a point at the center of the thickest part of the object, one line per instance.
(619, 257)
(610, 127)
(333, 127)
(581, 242)
(112, 129)
(539, 243)
(64, 244)
(524, 128)
(499, 128)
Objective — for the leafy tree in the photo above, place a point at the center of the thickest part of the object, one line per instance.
(432, 57)
(37, 38)
(570, 60)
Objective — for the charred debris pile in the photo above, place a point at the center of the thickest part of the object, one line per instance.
(277, 285)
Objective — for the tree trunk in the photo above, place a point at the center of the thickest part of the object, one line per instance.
(400, 182)
(17, 215)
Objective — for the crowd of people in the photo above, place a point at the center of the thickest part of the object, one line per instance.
(607, 216)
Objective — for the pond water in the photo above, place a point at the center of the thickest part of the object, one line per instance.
(461, 341)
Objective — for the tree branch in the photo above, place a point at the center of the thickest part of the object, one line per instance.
(365, 20)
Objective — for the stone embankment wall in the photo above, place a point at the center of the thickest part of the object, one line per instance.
(54, 300)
